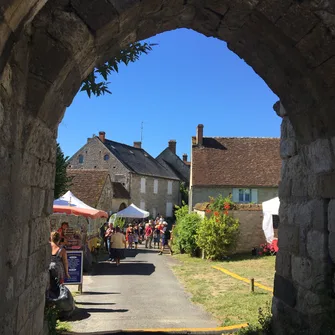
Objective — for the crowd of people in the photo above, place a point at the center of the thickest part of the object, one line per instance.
(153, 233)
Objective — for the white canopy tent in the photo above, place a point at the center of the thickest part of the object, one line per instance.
(270, 207)
(132, 211)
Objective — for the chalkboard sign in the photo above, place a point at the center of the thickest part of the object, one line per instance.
(75, 262)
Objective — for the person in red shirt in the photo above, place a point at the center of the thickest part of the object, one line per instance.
(148, 235)
(62, 231)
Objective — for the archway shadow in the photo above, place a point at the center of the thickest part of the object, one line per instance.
(86, 303)
(128, 269)
(84, 313)
(98, 293)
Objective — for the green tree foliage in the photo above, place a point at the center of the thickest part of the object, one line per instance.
(184, 193)
(127, 55)
(185, 231)
(62, 181)
(217, 235)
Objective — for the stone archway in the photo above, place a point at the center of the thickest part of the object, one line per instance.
(47, 48)
(122, 206)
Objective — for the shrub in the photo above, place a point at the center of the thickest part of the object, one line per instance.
(264, 324)
(119, 222)
(51, 316)
(217, 235)
(184, 234)
(220, 203)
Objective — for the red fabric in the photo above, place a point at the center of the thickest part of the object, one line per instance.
(90, 213)
(148, 231)
(275, 245)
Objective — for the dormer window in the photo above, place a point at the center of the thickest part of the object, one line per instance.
(106, 157)
(81, 159)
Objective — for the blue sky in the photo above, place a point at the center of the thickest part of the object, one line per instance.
(187, 79)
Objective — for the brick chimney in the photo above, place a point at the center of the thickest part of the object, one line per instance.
(102, 135)
(184, 157)
(172, 146)
(138, 144)
(200, 134)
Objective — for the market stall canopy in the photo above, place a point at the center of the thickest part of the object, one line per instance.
(134, 212)
(270, 207)
(70, 204)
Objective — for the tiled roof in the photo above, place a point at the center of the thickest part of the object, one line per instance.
(232, 161)
(87, 185)
(119, 192)
(138, 160)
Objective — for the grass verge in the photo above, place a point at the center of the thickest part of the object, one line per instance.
(227, 299)
(63, 326)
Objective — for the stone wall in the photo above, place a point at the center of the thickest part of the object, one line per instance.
(154, 202)
(48, 47)
(251, 233)
(105, 201)
(202, 194)
(304, 290)
(116, 203)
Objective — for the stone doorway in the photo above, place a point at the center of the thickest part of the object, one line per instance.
(48, 48)
(122, 206)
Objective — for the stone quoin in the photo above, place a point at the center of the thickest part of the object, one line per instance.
(48, 47)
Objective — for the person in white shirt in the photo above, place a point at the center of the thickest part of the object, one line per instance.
(118, 244)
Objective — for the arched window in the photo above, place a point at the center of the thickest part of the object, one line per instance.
(106, 157)
(81, 159)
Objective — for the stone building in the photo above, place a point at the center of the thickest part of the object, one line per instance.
(170, 160)
(247, 168)
(96, 189)
(151, 186)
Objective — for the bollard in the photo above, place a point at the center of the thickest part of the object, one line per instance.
(252, 285)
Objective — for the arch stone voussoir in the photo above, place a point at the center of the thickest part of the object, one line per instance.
(47, 48)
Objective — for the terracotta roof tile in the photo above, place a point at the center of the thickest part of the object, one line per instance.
(87, 185)
(119, 191)
(232, 161)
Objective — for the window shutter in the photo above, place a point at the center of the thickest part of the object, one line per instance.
(155, 186)
(235, 195)
(169, 187)
(254, 195)
(142, 185)
(168, 209)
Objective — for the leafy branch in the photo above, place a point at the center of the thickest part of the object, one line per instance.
(129, 54)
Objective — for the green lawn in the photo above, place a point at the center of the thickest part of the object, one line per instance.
(227, 299)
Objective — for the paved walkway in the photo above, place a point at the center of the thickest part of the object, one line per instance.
(141, 293)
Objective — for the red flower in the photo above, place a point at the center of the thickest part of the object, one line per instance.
(226, 206)
(216, 213)
(226, 212)
(208, 210)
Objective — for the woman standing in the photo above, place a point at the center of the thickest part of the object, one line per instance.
(136, 236)
(118, 243)
(157, 236)
(108, 234)
(58, 258)
(130, 237)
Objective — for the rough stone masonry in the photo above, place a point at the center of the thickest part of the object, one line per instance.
(48, 47)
